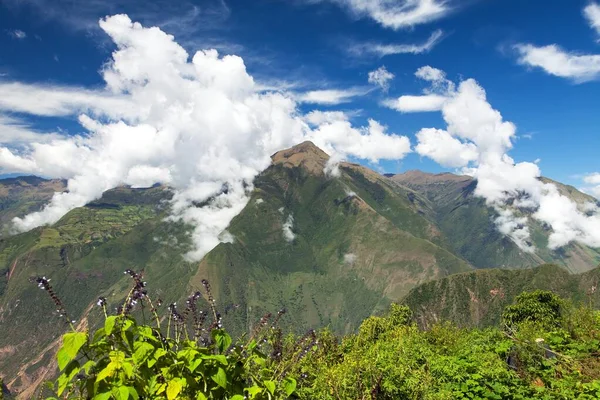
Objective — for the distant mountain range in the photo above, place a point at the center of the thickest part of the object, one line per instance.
(332, 251)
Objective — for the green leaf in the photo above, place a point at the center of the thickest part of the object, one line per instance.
(142, 350)
(219, 357)
(63, 358)
(201, 396)
(72, 342)
(254, 391)
(220, 378)
(109, 324)
(173, 389)
(120, 393)
(237, 397)
(289, 385)
(103, 396)
(133, 393)
(270, 385)
(67, 376)
(107, 372)
(222, 339)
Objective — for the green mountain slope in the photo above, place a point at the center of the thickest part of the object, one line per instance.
(467, 223)
(477, 298)
(357, 246)
(23, 195)
(332, 251)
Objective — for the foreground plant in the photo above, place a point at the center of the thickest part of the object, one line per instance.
(184, 360)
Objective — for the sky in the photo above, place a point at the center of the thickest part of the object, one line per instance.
(99, 93)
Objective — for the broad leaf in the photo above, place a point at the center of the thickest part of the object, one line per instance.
(220, 378)
(173, 389)
(109, 324)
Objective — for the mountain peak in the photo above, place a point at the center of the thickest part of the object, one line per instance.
(305, 154)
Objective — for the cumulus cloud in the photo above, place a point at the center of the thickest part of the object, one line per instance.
(381, 77)
(396, 14)
(410, 104)
(562, 63)
(288, 225)
(330, 96)
(433, 98)
(478, 139)
(592, 14)
(444, 149)
(201, 126)
(382, 50)
(336, 136)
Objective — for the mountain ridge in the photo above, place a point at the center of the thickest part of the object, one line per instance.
(331, 250)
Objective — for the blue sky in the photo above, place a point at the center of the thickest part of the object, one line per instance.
(306, 43)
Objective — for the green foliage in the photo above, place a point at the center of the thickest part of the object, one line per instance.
(391, 358)
(541, 306)
(125, 360)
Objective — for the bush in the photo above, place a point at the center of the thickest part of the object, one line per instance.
(540, 306)
(549, 351)
(184, 360)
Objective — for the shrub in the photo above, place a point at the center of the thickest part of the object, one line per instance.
(184, 360)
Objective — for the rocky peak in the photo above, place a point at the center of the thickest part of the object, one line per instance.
(305, 155)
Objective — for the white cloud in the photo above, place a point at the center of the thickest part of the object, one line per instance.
(63, 100)
(201, 126)
(382, 50)
(381, 77)
(409, 104)
(478, 139)
(397, 14)
(317, 117)
(371, 143)
(17, 34)
(558, 62)
(330, 96)
(287, 227)
(433, 98)
(17, 133)
(593, 184)
(592, 14)
(565, 64)
(444, 149)
(592, 179)
(428, 73)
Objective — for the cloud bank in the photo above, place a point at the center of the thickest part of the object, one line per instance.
(201, 126)
(477, 139)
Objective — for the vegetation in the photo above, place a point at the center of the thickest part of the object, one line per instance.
(362, 241)
(546, 348)
(184, 360)
(478, 298)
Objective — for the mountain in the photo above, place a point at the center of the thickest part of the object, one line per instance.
(22, 195)
(466, 222)
(477, 298)
(332, 251)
